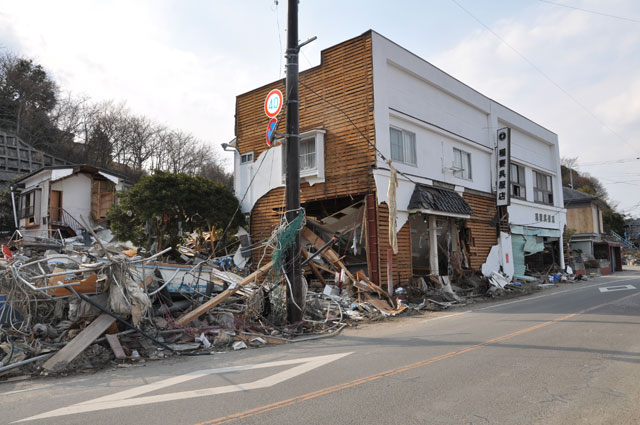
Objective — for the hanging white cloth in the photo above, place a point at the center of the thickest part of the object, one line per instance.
(393, 209)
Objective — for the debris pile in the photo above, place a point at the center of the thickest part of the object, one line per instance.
(86, 302)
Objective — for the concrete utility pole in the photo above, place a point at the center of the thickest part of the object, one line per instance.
(295, 299)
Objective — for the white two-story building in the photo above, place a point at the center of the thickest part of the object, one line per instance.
(372, 107)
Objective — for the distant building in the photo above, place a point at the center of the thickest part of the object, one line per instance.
(56, 198)
(584, 221)
(632, 229)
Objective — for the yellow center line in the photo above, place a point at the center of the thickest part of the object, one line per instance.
(328, 390)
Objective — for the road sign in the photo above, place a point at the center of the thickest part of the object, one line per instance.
(273, 103)
(271, 130)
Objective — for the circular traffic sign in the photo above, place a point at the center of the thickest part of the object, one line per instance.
(271, 130)
(273, 103)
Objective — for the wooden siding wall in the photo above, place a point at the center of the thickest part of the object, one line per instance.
(483, 236)
(344, 78)
(402, 262)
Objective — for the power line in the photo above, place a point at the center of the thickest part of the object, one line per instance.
(275, 9)
(613, 161)
(541, 72)
(591, 11)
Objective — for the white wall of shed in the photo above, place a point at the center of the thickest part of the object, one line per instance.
(76, 195)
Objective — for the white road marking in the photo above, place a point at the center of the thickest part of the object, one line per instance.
(527, 299)
(126, 398)
(617, 288)
(555, 293)
(444, 317)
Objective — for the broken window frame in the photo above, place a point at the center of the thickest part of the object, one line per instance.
(518, 182)
(542, 188)
(403, 149)
(28, 203)
(462, 164)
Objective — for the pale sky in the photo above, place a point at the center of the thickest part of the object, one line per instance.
(183, 63)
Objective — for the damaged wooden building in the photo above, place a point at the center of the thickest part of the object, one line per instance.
(389, 141)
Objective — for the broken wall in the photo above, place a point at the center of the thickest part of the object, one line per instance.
(348, 157)
(344, 77)
(483, 236)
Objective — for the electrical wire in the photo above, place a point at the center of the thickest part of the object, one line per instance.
(545, 75)
(613, 161)
(590, 11)
(275, 9)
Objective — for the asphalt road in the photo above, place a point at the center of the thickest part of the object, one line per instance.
(564, 355)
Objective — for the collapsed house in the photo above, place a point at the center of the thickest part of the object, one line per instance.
(400, 161)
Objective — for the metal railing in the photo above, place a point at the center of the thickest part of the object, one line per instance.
(65, 219)
(623, 240)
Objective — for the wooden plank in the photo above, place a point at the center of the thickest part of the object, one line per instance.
(78, 344)
(116, 347)
(189, 317)
(328, 253)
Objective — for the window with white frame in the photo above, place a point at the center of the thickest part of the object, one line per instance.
(246, 158)
(403, 146)
(518, 186)
(307, 151)
(311, 152)
(542, 188)
(461, 164)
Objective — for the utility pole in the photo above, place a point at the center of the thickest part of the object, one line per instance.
(295, 299)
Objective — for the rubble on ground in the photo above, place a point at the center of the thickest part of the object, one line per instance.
(83, 303)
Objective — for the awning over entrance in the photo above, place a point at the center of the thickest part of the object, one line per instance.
(433, 199)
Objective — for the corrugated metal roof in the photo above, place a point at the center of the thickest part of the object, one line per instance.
(437, 199)
(572, 196)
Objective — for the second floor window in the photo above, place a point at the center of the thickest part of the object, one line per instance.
(307, 152)
(518, 187)
(246, 158)
(542, 188)
(461, 164)
(311, 153)
(403, 146)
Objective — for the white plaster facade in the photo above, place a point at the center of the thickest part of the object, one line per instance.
(444, 114)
